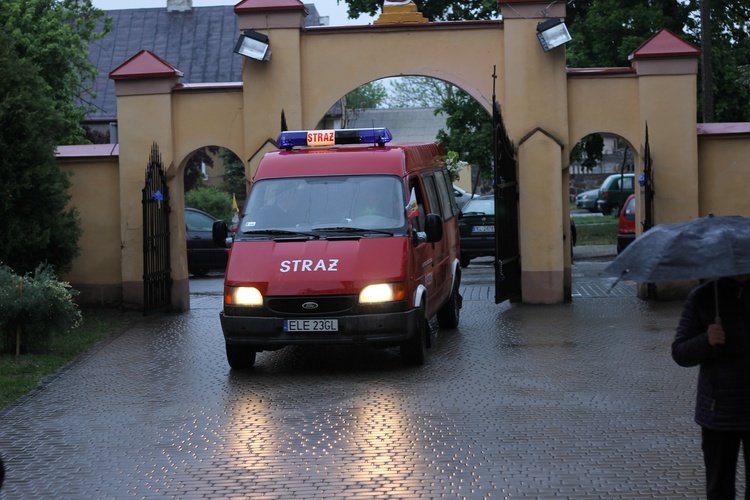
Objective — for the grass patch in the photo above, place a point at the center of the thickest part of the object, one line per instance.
(591, 230)
(19, 375)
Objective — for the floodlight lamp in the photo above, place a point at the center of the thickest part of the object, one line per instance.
(253, 45)
(552, 33)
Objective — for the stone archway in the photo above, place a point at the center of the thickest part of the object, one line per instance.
(546, 108)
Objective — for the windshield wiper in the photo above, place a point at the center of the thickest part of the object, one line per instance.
(280, 232)
(347, 229)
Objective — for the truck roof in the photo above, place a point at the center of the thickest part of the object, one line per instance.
(395, 159)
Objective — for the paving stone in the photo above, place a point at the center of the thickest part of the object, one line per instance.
(578, 400)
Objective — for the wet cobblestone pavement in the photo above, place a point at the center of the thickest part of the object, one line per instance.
(580, 400)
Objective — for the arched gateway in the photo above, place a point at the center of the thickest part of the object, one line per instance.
(546, 109)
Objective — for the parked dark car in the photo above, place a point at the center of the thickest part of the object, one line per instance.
(476, 228)
(626, 225)
(587, 200)
(614, 191)
(202, 255)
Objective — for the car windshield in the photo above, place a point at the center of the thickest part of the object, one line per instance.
(480, 206)
(326, 205)
(196, 221)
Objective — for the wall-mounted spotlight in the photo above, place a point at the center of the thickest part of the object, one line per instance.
(552, 33)
(253, 45)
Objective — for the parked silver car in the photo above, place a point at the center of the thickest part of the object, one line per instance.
(587, 200)
(461, 196)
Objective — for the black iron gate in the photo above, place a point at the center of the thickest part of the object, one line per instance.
(157, 272)
(507, 255)
(647, 182)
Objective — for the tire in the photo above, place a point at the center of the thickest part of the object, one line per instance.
(199, 272)
(240, 357)
(414, 350)
(464, 260)
(615, 210)
(449, 315)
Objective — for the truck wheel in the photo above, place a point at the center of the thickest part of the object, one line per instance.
(449, 315)
(413, 351)
(240, 356)
(615, 210)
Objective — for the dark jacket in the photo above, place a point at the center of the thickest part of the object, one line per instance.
(723, 396)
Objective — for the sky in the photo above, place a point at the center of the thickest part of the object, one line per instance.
(336, 13)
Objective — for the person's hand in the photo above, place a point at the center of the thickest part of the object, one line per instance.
(716, 335)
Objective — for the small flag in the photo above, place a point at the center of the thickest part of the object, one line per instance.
(412, 209)
(235, 210)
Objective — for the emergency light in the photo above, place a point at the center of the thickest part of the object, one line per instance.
(289, 139)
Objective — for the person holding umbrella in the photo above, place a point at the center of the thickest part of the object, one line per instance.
(714, 332)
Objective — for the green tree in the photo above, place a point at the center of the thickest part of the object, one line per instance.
(211, 200)
(54, 36)
(418, 92)
(369, 95)
(469, 131)
(235, 182)
(605, 32)
(588, 152)
(193, 176)
(726, 55)
(37, 224)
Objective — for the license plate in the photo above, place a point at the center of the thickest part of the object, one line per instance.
(483, 229)
(311, 325)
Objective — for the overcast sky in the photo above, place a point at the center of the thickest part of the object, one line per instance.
(336, 13)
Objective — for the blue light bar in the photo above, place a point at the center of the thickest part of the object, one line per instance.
(378, 136)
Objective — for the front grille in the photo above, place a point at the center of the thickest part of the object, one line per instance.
(339, 305)
(342, 305)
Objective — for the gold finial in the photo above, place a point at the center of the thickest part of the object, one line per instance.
(400, 11)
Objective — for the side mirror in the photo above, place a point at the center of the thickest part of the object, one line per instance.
(434, 228)
(220, 233)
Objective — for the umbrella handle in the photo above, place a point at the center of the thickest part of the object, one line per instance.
(716, 301)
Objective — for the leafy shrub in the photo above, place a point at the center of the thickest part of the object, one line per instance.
(38, 304)
(211, 200)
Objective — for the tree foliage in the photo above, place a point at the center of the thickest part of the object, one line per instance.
(235, 182)
(434, 10)
(212, 200)
(54, 36)
(588, 151)
(605, 32)
(418, 92)
(369, 95)
(730, 52)
(37, 224)
(469, 131)
(193, 176)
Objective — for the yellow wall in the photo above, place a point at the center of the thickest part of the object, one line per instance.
(724, 175)
(546, 110)
(95, 194)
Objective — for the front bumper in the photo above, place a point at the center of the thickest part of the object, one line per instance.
(266, 333)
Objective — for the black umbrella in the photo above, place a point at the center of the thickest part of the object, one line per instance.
(708, 247)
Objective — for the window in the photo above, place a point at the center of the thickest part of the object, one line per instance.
(445, 192)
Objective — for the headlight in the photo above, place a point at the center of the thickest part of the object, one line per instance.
(243, 296)
(382, 292)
